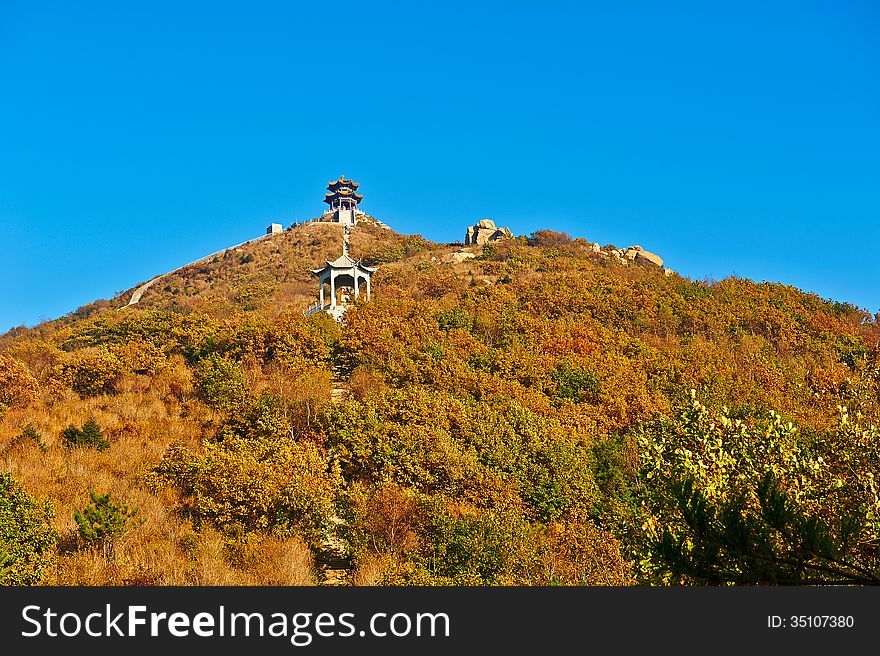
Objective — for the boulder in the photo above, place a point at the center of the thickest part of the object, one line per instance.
(457, 258)
(484, 232)
(644, 257)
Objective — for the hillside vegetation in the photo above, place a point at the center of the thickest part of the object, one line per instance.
(535, 415)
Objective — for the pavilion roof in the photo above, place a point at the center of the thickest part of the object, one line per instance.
(344, 262)
(343, 193)
(342, 182)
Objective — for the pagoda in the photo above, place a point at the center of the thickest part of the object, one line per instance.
(343, 200)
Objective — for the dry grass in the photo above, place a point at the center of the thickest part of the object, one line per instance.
(370, 569)
(141, 422)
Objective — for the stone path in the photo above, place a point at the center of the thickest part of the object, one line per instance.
(333, 559)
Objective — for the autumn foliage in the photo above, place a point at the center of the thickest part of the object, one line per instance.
(534, 415)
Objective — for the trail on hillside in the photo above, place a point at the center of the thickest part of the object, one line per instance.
(333, 558)
(139, 292)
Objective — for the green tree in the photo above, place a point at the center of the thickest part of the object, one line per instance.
(576, 384)
(27, 539)
(728, 502)
(775, 543)
(220, 383)
(103, 520)
(30, 434)
(90, 435)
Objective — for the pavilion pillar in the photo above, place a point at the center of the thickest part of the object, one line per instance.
(321, 282)
(354, 272)
(368, 288)
(332, 288)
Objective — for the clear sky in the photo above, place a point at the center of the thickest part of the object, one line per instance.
(729, 137)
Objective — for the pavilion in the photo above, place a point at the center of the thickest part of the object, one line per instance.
(345, 277)
(343, 200)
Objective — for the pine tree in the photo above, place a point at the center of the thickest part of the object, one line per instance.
(778, 544)
(103, 520)
(90, 435)
(30, 434)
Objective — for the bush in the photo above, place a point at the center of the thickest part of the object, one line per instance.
(103, 520)
(18, 387)
(248, 484)
(454, 318)
(576, 384)
(575, 552)
(89, 435)
(27, 539)
(549, 238)
(735, 503)
(220, 383)
(30, 434)
(262, 417)
(91, 372)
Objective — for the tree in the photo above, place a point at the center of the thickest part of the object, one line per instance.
(776, 543)
(549, 238)
(220, 383)
(103, 520)
(727, 502)
(576, 384)
(27, 539)
(90, 435)
(91, 371)
(255, 484)
(30, 434)
(17, 386)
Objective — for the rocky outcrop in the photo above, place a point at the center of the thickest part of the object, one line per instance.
(484, 232)
(635, 254)
(644, 257)
(458, 258)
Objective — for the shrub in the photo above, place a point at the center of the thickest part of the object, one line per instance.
(734, 503)
(220, 383)
(302, 388)
(91, 371)
(30, 434)
(387, 519)
(549, 238)
(454, 318)
(18, 387)
(256, 418)
(477, 549)
(576, 552)
(576, 384)
(90, 435)
(244, 484)
(103, 520)
(393, 252)
(27, 539)
(140, 356)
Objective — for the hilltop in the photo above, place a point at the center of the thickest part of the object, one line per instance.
(491, 415)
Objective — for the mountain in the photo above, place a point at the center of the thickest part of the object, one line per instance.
(528, 411)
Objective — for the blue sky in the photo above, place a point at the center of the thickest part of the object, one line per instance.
(729, 137)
